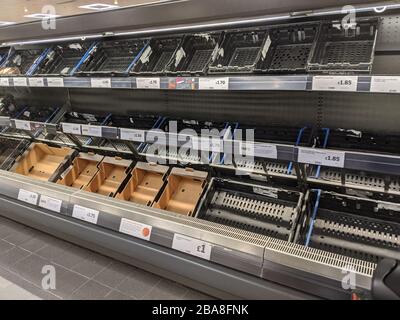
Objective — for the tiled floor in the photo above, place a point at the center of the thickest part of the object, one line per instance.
(80, 273)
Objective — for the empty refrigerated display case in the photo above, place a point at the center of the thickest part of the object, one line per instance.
(10, 150)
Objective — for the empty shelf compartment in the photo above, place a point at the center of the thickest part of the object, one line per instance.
(23, 61)
(82, 170)
(64, 58)
(195, 54)
(42, 162)
(114, 57)
(10, 149)
(157, 55)
(182, 191)
(341, 50)
(357, 227)
(288, 49)
(251, 207)
(240, 51)
(145, 183)
(4, 52)
(111, 175)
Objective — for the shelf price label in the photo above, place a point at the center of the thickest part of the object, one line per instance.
(20, 82)
(132, 135)
(210, 144)
(92, 131)
(4, 82)
(50, 203)
(28, 196)
(22, 125)
(214, 83)
(55, 82)
(385, 84)
(100, 82)
(148, 83)
(85, 214)
(135, 229)
(321, 157)
(192, 246)
(36, 82)
(335, 83)
(72, 128)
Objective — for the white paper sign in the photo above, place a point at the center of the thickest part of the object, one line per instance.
(213, 144)
(388, 84)
(92, 131)
(22, 125)
(148, 83)
(20, 82)
(85, 214)
(50, 203)
(55, 82)
(4, 82)
(265, 150)
(322, 157)
(214, 83)
(28, 196)
(132, 135)
(335, 83)
(100, 82)
(36, 82)
(135, 229)
(192, 246)
(72, 128)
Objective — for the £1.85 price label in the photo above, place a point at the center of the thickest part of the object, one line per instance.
(321, 157)
(335, 83)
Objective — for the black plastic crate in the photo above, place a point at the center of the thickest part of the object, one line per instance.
(10, 149)
(8, 107)
(341, 50)
(195, 54)
(240, 51)
(360, 228)
(251, 207)
(23, 61)
(157, 55)
(113, 57)
(65, 58)
(288, 49)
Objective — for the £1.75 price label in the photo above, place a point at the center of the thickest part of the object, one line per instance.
(335, 83)
(321, 157)
(85, 214)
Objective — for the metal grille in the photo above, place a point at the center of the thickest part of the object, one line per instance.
(351, 52)
(200, 60)
(290, 57)
(116, 64)
(243, 57)
(162, 61)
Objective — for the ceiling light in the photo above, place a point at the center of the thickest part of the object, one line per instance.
(5, 23)
(99, 6)
(41, 16)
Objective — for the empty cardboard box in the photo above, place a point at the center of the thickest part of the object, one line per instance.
(81, 171)
(112, 173)
(42, 162)
(182, 191)
(145, 184)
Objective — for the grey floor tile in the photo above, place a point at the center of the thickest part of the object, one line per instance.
(138, 283)
(92, 265)
(5, 246)
(91, 290)
(114, 274)
(166, 290)
(31, 268)
(5, 230)
(36, 243)
(14, 292)
(196, 295)
(10, 258)
(67, 282)
(116, 295)
(20, 236)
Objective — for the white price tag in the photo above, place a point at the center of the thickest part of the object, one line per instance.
(335, 83)
(265, 151)
(50, 203)
(55, 82)
(148, 83)
(192, 246)
(85, 214)
(20, 82)
(213, 144)
(389, 84)
(72, 128)
(4, 82)
(100, 82)
(135, 229)
(36, 82)
(321, 157)
(28, 196)
(214, 83)
(92, 131)
(23, 125)
(132, 135)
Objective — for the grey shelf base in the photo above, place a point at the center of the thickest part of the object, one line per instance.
(208, 277)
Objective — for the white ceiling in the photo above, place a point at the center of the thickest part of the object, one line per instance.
(15, 10)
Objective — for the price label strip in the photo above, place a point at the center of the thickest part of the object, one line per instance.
(23, 125)
(322, 157)
(4, 82)
(385, 84)
(72, 128)
(50, 203)
(335, 83)
(92, 131)
(148, 83)
(135, 229)
(36, 82)
(132, 135)
(192, 246)
(100, 82)
(28, 196)
(55, 82)
(85, 214)
(214, 83)
(20, 82)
